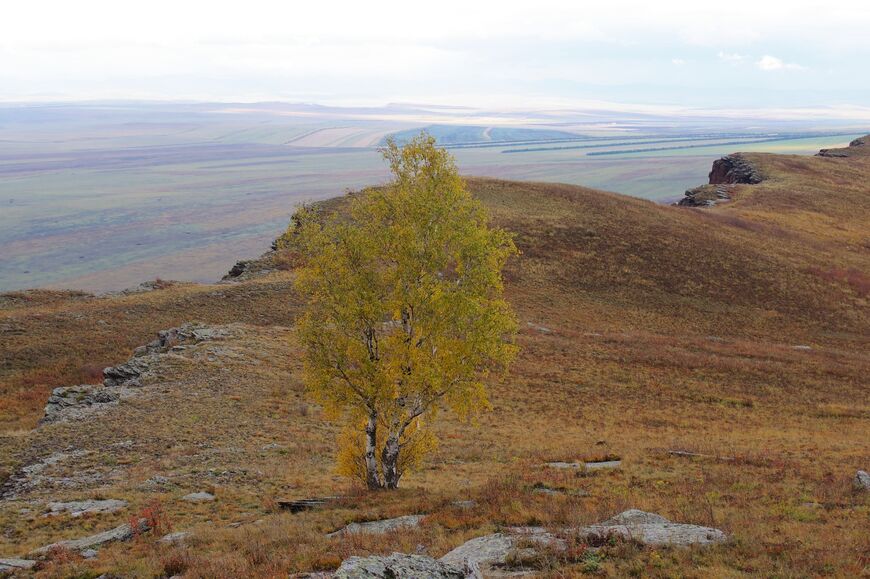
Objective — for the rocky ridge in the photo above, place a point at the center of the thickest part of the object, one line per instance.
(122, 381)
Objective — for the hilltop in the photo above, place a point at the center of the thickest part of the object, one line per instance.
(719, 351)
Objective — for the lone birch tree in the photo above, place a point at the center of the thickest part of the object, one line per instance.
(405, 314)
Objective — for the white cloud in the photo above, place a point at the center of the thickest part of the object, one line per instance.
(732, 57)
(678, 61)
(769, 63)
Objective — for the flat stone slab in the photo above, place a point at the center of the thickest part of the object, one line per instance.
(201, 497)
(652, 529)
(586, 465)
(397, 566)
(80, 508)
(120, 533)
(379, 527)
(9, 565)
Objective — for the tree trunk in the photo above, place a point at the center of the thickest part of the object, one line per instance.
(373, 480)
(390, 462)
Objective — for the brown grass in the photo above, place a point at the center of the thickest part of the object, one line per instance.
(644, 329)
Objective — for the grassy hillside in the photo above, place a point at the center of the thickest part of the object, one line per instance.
(737, 331)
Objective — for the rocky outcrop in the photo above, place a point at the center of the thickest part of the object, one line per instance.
(727, 172)
(734, 169)
(379, 527)
(397, 566)
(120, 381)
(857, 148)
(861, 482)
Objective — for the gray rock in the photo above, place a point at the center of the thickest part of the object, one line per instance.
(201, 497)
(397, 566)
(79, 508)
(477, 556)
(11, 565)
(861, 481)
(379, 527)
(89, 554)
(76, 401)
(465, 504)
(652, 529)
(175, 538)
(121, 533)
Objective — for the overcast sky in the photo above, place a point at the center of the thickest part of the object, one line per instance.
(725, 53)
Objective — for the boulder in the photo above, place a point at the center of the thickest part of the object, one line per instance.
(79, 508)
(651, 529)
(476, 556)
(397, 566)
(861, 482)
(379, 527)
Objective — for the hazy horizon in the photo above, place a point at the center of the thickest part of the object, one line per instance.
(803, 55)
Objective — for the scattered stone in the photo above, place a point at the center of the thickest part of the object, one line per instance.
(464, 504)
(651, 529)
(801, 347)
(687, 454)
(156, 483)
(34, 475)
(11, 565)
(79, 508)
(121, 533)
(397, 566)
(175, 538)
(297, 506)
(595, 465)
(200, 497)
(379, 527)
(476, 556)
(89, 554)
(541, 329)
(861, 481)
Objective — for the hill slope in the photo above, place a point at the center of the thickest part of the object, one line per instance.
(738, 331)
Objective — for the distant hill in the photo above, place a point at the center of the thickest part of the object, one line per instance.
(449, 135)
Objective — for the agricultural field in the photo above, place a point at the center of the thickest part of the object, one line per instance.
(104, 197)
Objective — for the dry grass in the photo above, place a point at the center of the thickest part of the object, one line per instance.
(645, 328)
